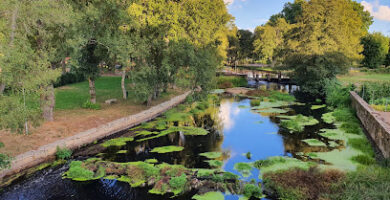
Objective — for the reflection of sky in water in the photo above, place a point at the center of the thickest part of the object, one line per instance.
(243, 133)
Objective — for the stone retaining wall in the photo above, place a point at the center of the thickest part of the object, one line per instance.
(47, 152)
(376, 128)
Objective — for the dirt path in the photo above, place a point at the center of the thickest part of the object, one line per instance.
(68, 123)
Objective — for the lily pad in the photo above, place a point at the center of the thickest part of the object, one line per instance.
(211, 155)
(151, 161)
(145, 133)
(122, 152)
(167, 149)
(273, 111)
(339, 159)
(297, 123)
(316, 107)
(314, 143)
(214, 163)
(243, 107)
(333, 134)
(328, 118)
(210, 196)
(279, 163)
(118, 141)
(244, 168)
(267, 104)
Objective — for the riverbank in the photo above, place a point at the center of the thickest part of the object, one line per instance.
(73, 140)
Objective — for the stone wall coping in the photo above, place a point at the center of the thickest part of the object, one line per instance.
(47, 152)
(373, 112)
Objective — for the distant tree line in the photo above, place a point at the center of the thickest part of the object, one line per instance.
(156, 43)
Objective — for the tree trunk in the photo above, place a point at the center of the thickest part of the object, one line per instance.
(48, 103)
(124, 91)
(13, 24)
(149, 101)
(92, 90)
(2, 88)
(63, 67)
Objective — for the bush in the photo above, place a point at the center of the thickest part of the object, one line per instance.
(5, 161)
(89, 105)
(375, 92)
(224, 82)
(63, 153)
(366, 183)
(252, 191)
(71, 77)
(338, 95)
(303, 184)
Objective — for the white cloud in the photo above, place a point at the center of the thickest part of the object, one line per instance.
(228, 2)
(378, 11)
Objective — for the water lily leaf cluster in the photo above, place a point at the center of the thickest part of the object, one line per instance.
(297, 123)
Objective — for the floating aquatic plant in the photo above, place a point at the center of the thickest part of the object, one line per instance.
(243, 107)
(117, 141)
(167, 149)
(244, 168)
(316, 107)
(211, 155)
(122, 151)
(314, 143)
(297, 123)
(267, 104)
(151, 161)
(279, 163)
(217, 91)
(273, 111)
(333, 134)
(339, 159)
(145, 133)
(328, 118)
(214, 163)
(210, 196)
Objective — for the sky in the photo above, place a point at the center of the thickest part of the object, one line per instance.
(252, 13)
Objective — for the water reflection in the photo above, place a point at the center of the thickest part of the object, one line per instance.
(234, 130)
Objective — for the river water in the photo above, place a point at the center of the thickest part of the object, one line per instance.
(234, 128)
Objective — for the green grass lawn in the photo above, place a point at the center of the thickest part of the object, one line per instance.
(358, 77)
(74, 95)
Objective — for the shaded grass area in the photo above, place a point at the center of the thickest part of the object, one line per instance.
(224, 82)
(75, 95)
(358, 77)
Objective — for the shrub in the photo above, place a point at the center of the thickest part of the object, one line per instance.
(375, 91)
(336, 94)
(89, 105)
(5, 161)
(71, 77)
(303, 184)
(279, 96)
(63, 153)
(252, 191)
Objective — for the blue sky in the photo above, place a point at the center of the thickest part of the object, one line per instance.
(251, 13)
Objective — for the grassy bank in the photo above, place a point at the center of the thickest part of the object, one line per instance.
(74, 95)
(359, 77)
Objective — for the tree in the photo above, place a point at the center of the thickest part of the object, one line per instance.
(98, 27)
(246, 43)
(269, 43)
(375, 50)
(324, 42)
(312, 71)
(234, 46)
(387, 60)
(27, 62)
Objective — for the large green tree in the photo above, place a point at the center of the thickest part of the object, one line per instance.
(246, 39)
(376, 47)
(326, 39)
(387, 59)
(32, 40)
